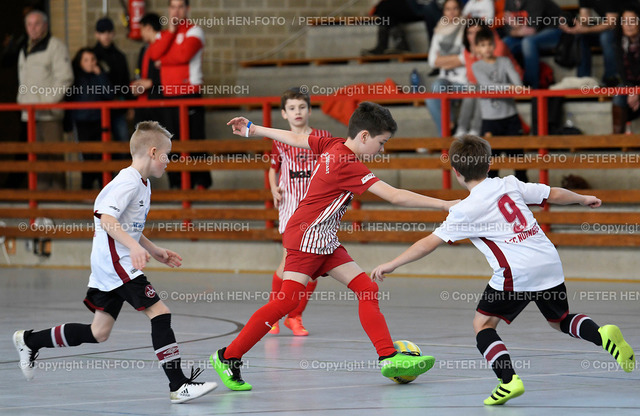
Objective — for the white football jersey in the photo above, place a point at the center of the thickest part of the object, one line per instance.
(497, 220)
(127, 198)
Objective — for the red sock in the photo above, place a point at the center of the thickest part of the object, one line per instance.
(276, 284)
(371, 318)
(262, 319)
(311, 286)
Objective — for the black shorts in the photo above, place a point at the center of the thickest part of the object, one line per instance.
(510, 126)
(507, 305)
(137, 292)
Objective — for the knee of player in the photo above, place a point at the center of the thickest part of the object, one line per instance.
(100, 334)
(555, 325)
(482, 322)
(160, 308)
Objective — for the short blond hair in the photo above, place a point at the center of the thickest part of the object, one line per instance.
(148, 134)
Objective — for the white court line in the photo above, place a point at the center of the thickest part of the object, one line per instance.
(311, 389)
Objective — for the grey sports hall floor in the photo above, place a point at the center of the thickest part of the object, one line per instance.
(331, 372)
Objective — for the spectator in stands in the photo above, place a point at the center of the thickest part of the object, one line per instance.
(178, 51)
(484, 9)
(91, 84)
(446, 53)
(114, 64)
(601, 31)
(627, 107)
(397, 12)
(533, 27)
(499, 115)
(44, 73)
(473, 26)
(146, 85)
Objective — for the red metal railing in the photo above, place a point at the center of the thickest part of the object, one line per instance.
(266, 104)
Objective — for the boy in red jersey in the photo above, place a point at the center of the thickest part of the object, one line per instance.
(295, 166)
(312, 245)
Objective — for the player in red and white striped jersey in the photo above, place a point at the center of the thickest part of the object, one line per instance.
(294, 165)
(311, 239)
(526, 265)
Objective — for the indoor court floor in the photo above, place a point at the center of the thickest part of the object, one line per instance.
(331, 372)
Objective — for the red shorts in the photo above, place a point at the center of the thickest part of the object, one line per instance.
(315, 265)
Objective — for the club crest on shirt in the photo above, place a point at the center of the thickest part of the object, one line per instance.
(149, 291)
(141, 203)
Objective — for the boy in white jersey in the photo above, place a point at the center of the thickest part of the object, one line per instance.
(526, 265)
(295, 166)
(119, 253)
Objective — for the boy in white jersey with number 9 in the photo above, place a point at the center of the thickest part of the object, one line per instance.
(526, 265)
(120, 251)
(312, 245)
(295, 166)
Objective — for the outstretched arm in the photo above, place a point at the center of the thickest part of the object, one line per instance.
(243, 127)
(406, 198)
(563, 196)
(417, 251)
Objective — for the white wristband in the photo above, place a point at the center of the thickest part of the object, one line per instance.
(246, 134)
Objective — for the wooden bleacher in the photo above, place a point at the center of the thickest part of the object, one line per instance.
(406, 57)
(569, 158)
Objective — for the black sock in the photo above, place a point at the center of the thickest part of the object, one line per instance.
(65, 335)
(166, 349)
(581, 326)
(495, 352)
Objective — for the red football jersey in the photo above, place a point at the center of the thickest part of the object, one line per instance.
(337, 176)
(296, 166)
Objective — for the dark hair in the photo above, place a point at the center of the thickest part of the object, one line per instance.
(294, 94)
(153, 20)
(457, 1)
(627, 8)
(485, 34)
(371, 117)
(186, 2)
(77, 68)
(471, 156)
(472, 22)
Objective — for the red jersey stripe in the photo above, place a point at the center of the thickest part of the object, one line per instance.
(502, 261)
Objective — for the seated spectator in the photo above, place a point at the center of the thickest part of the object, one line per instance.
(627, 107)
(398, 12)
(446, 53)
(533, 27)
(91, 84)
(484, 9)
(600, 31)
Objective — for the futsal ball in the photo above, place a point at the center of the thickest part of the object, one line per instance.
(408, 348)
